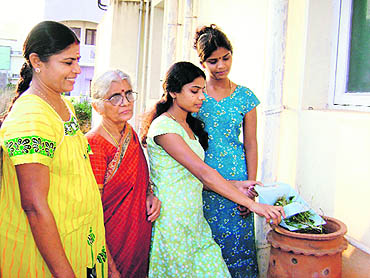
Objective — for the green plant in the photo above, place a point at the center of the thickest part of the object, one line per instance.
(302, 218)
(6, 96)
(11, 86)
(83, 113)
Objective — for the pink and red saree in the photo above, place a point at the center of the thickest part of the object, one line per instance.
(123, 172)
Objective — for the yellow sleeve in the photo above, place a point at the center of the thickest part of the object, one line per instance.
(31, 131)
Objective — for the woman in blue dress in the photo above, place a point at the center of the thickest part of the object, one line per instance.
(226, 110)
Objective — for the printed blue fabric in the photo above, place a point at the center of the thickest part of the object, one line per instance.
(235, 234)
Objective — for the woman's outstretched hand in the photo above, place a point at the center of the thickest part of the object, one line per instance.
(153, 207)
(246, 187)
(272, 214)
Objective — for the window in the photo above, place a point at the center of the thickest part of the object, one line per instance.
(5, 57)
(90, 38)
(77, 31)
(352, 86)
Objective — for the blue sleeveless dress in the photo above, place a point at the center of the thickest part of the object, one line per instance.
(235, 234)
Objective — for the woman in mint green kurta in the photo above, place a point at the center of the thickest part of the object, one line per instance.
(182, 244)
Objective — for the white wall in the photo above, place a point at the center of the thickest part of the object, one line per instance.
(117, 42)
(117, 46)
(155, 54)
(244, 22)
(324, 152)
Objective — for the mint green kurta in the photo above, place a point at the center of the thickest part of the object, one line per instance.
(182, 243)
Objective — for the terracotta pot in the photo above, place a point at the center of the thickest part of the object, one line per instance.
(299, 255)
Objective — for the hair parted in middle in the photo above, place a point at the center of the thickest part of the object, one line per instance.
(101, 83)
(178, 75)
(207, 39)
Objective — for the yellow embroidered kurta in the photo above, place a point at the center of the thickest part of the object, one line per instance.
(34, 133)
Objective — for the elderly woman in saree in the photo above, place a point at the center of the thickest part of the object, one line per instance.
(121, 171)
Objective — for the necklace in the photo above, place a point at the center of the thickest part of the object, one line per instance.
(230, 88)
(49, 102)
(114, 139)
(173, 118)
(185, 126)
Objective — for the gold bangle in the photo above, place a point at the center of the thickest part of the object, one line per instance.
(150, 187)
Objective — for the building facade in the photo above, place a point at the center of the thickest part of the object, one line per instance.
(303, 61)
(82, 16)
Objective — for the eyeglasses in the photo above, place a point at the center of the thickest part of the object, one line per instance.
(117, 98)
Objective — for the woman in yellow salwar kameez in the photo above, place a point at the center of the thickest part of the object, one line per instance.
(51, 217)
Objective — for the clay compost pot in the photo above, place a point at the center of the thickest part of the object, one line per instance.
(302, 255)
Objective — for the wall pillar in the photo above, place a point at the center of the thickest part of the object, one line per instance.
(273, 90)
(170, 38)
(188, 30)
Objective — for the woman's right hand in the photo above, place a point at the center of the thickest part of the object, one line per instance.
(153, 207)
(34, 184)
(112, 269)
(247, 187)
(271, 213)
(114, 274)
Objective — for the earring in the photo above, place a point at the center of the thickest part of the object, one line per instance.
(37, 70)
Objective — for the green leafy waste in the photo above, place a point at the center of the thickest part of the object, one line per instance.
(300, 219)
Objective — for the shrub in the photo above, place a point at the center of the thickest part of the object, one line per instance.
(6, 95)
(83, 113)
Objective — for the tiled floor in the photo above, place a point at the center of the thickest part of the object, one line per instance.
(355, 263)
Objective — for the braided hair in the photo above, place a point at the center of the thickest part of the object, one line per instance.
(45, 39)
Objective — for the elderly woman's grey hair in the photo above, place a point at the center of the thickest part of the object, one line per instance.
(101, 84)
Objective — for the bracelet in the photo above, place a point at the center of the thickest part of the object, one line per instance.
(150, 187)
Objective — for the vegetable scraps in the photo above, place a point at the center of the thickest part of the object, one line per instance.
(299, 220)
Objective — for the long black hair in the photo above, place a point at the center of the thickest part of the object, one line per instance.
(178, 75)
(45, 39)
(207, 39)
